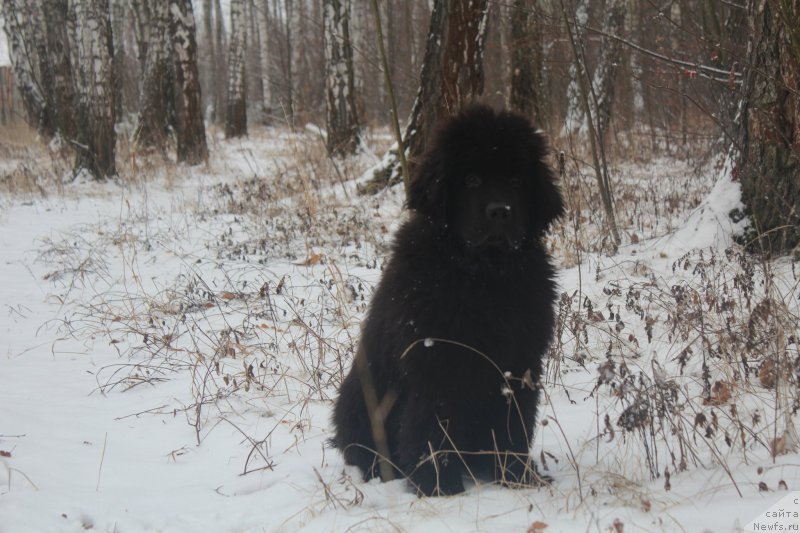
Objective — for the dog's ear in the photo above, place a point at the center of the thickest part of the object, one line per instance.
(426, 191)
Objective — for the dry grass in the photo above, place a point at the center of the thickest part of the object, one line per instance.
(687, 365)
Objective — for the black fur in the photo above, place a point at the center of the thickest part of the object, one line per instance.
(446, 378)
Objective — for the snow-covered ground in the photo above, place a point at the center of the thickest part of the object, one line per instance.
(173, 345)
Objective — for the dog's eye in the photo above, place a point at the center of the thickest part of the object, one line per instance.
(473, 181)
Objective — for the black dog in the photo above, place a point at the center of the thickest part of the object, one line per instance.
(445, 382)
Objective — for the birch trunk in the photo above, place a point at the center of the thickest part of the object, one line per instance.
(342, 119)
(236, 114)
(95, 81)
(190, 131)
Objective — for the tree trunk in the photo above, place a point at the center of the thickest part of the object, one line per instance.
(452, 75)
(222, 66)
(236, 115)
(190, 131)
(769, 136)
(94, 52)
(63, 85)
(118, 34)
(526, 60)
(18, 22)
(342, 120)
(211, 70)
(155, 101)
(574, 116)
(605, 78)
(262, 13)
(452, 71)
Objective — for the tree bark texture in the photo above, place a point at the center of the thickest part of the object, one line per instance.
(342, 119)
(577, 69)
(61, 98)
(155, 103)
(605, 78)
(19, 27)
(94, 52)
(769, 139)
(262, 14)
(451, 76)
(221, 64)
(190, 131)
(236, 115)
(452, 71)
(526, 60)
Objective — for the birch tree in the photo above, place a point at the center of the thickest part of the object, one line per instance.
(94, 51)
(526, 59)
(768, 156)
(262, 18)
(220, 43)
(342, 119)
(604, 79)
(156, 98)
(577, 70)
(236, 114)
(190, 131)
(19, 27)
(451, 76)
(62, 98)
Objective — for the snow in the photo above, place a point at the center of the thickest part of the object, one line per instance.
(5, 59)
(172, 347)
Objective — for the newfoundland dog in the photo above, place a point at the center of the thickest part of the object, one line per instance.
(445, 382)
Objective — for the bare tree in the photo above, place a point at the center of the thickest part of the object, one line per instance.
(262, 19)
(342, 120)
(190, 130)
(769, 135)
(94, 51)
(452, 75)
(236, 115)
(577, 70)
(61, 95)
(220, 45)
(595, 140)
(526, 59)
(604, 80)
(19, 27)
(156, 98)
(211, 71)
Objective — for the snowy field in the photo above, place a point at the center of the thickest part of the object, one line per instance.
(173, 344)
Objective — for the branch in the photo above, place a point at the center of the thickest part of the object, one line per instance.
(703, 70)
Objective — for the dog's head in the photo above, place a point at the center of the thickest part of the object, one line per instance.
(484, 180)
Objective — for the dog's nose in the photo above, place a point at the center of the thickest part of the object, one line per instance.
(498, 211)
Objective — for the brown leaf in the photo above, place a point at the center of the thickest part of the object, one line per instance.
(312, 260)
(779, 445)
(618, 525)
(227, 295)
(762, 487)
(720, 393)
(4, 453)
(537, 527)
(767, 374)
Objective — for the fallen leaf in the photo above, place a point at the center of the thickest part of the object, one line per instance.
(312, 260)
(537, 527)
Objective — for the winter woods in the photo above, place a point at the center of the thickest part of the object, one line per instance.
(610, 74)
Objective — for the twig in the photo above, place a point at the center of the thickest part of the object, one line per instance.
(102, 459)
